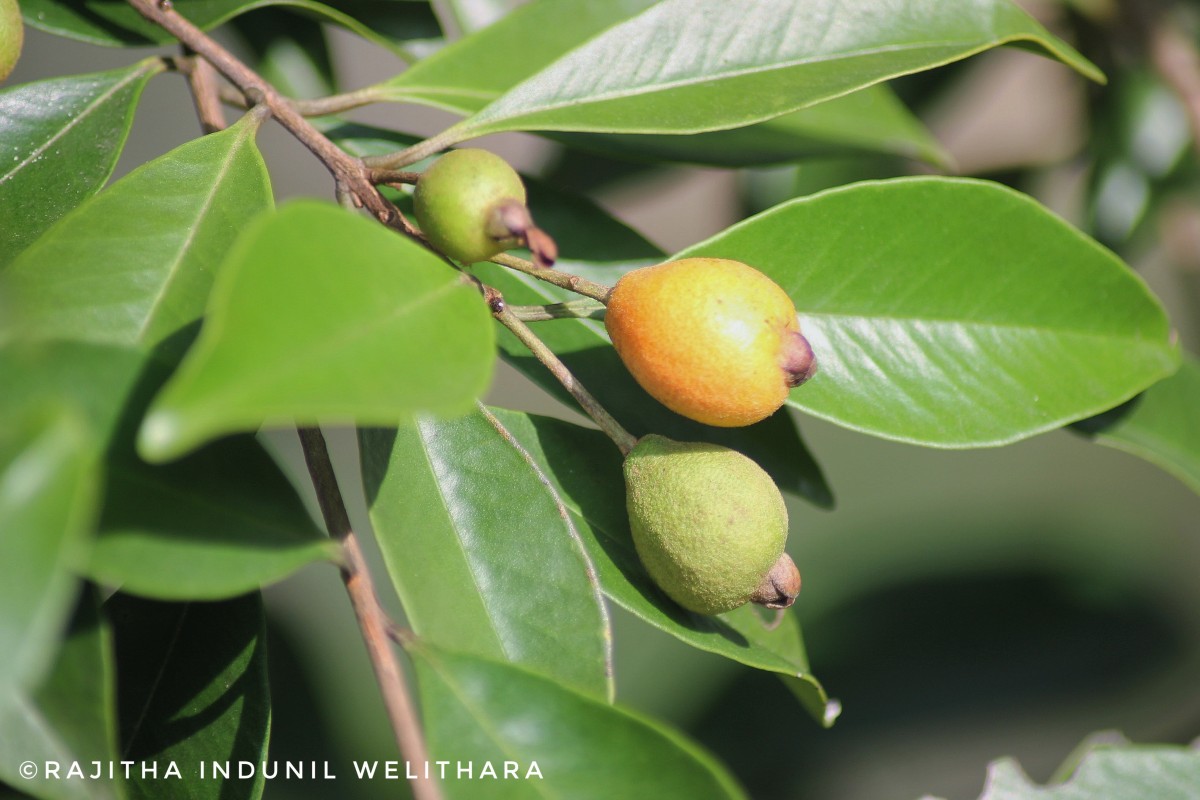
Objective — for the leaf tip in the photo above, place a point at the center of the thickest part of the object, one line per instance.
(158, 439)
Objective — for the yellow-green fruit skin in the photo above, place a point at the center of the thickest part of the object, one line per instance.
(706, 337)
(12, 36)
(455, 199)
(707, 522)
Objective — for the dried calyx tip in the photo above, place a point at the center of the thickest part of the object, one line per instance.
(512, 220)
(780, 585)
(798, 362)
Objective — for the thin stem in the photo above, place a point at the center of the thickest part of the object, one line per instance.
(623, 439)
(572, 309)
(420, 150)
(347, 170)
(316, 107)
(393, 176)
(373, 623)
(205, 85)
(564, 280)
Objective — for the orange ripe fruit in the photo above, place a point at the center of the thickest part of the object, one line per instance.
(710, 338)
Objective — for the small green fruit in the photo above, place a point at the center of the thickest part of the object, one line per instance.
(12, 36)
(709, 525)
(471, 206)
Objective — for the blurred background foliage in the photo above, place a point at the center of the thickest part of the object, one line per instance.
(962, 605)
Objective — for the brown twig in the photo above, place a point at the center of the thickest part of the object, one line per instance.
(206, 94)
(349, 172)
(563, 280)
(623, 439)
(375, 626)
(316, 107)
(572, 309)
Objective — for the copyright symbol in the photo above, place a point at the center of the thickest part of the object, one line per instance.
(29, 770)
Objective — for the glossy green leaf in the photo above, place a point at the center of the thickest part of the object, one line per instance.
(320, 314)
(134, 264)
(69, 718)
(953, 313)
(686, 66)
(1161, 425)
(584, 347)
(116, 23)
(192, 689)
(488, 713)
(1127, 772)
(63, 137)
(468, 75)
(47, 504)
(502, 571)
(585, 469)
(869, 120)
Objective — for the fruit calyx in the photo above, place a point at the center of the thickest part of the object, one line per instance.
(780, 586)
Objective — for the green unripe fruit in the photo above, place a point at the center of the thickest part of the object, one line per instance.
(462, 201)
(12, 36)
(709, 525)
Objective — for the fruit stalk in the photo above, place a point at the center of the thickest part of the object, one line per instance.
(622, 438)
(563, 280)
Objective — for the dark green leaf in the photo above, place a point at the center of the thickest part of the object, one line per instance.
(221, 521)
(501, 570)
(64, 136)
(47, 503)
(134, 264)
(686, 66)
(869, 120)
(70, 718)
(953, 313)
(585, 468)
(116, 23)
(1161, 425)
(488, 713)
(290, 51)
(584, 347)
(1113, 773)
(192, 689)
(319, 314)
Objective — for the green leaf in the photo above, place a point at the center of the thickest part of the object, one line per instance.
(686, 66)
(471, 15)
(483, 712)
(192, 689)
(134, 264)
(220, 522)
(116, 23)
(319, 314)
(96, 380)
(71, 717)
(47, 502)
(63, 138)
(501, 570)
(953, 313)
(1113, 773)
(467, 75)
(585, 469)
(869, 120)
(1160, 425)
(584, 347)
